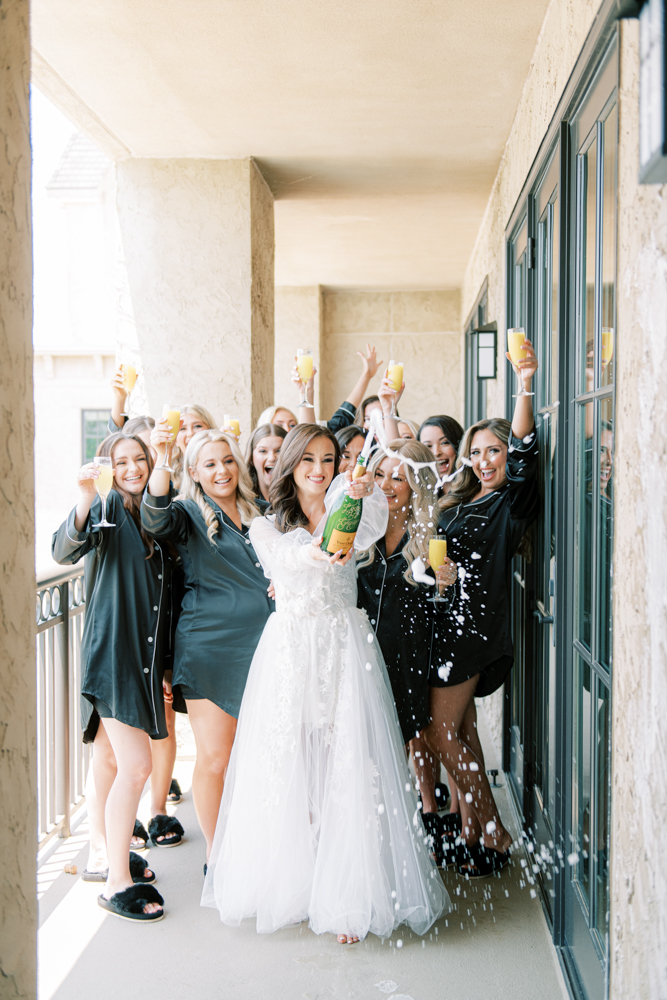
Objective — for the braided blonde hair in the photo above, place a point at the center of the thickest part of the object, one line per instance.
(423, 510)
(192, 490)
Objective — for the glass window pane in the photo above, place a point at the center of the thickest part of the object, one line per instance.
(605, 504)
(588, 180)
(609, 250)
(584, 528)
(95, 430)
(555, 269)
(603, 792)
(582, 776)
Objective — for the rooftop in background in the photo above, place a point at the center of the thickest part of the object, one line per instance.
(81, 168)
(379, 126)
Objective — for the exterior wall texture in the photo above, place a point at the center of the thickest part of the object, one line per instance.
(563, 33)
(18, 793)
(639, 798)
(195, 282)
(421, 329)
(298, 324)
(566, 24)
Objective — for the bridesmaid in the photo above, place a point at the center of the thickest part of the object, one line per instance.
(484, 517)
(261, 457)
(351, 441)
(397, 606)
(124, 637)
(225, 604)
(395, 602)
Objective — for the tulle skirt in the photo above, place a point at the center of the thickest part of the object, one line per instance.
(318, 819)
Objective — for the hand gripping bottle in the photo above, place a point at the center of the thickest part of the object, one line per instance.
(345, 515)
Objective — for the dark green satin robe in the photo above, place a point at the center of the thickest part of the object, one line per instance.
(225, 603)
(126, 627)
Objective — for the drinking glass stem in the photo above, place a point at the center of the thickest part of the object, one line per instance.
(304, 395)
(104, 508)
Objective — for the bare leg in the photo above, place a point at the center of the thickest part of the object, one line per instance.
(470, 825)
(214, 733)
(449, 706)
(426, 771)
(133, 759)
(101, 777)
(164, 758)
(454, 804)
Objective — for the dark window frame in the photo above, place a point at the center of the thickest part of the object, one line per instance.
(102, 419)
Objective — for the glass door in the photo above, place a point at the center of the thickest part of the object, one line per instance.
(586, 910)
(517, 694)
(541, 815)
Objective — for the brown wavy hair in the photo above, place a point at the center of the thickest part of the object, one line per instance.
(131, 501)
(263, 431)
(283, 494)
(467, 485)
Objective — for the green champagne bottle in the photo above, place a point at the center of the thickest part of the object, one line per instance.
(344, 517)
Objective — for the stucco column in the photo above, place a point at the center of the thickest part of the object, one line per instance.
(18, 782)
(638, 920)
(299, 323)
(195, 283)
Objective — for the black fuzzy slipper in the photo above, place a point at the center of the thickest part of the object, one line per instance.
(175, 793)
(168, 828)
(129, 904)
(140, 833)
(482, 862)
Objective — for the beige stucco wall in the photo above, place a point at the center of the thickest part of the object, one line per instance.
(195, 282)
(421, 329)
(639, 775)
(563, 33)
(298, 324)
(18, 907)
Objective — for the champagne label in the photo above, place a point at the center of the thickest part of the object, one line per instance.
(340, 540)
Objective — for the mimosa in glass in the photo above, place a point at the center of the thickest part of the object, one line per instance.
(304, 366)
(437, 554)
(607, 345)
(516, 338)
(103, 485)
(234, 424)
(130, 379)
(173, 417)
(395, 376)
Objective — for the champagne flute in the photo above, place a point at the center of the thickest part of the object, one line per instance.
(103, 484)
(234, 424)
(437, 554)
(607, 345)
(516, 338)
(395, 376)
(304, 366)
(172, 415)
(130, 379)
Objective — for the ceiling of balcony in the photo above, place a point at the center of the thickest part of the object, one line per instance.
(378, 124)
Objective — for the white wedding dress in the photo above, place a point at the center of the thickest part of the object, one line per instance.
(318, 818)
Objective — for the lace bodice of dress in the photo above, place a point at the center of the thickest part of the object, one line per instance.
(306, 588)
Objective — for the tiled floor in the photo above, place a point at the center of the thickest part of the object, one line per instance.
(493, 946)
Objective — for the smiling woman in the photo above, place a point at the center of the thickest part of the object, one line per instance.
(122, 655)
(261, 457)
(225, 602)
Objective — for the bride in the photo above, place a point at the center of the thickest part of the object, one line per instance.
(318, 818)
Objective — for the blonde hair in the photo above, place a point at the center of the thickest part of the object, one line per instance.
(192, 490)
(267, 415)
(412, 424)
(422, 512)
(177, 457)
